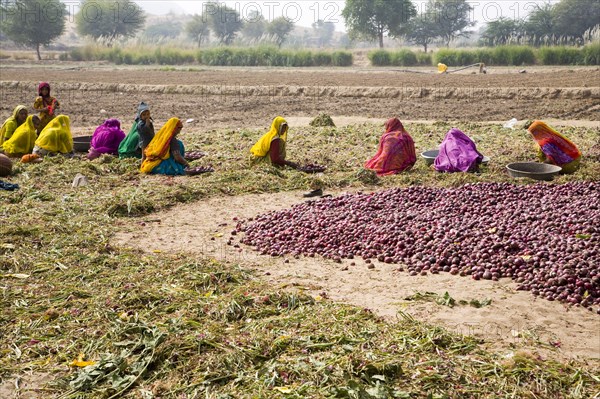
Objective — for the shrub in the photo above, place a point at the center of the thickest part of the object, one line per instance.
(322, 59)
(380, 58)
(560, 56)
(424, 58)
(591, 54)
(342, 58)
(404, 58)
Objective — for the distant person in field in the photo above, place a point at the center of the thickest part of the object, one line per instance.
(55, 138)
(139, 136)
(23, 139)
(11, 124)
(271, 147)
(106, 139)
(396, 151)
(46, 104)
(554, 148)
(458, 153)
(165, 153)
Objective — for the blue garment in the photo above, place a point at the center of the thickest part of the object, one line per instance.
(8, 186)
(170, 166)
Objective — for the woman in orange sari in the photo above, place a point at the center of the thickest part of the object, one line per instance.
(555, 148)
(164, 154)
(396, 150)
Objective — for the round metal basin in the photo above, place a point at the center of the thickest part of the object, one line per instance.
(533, 170)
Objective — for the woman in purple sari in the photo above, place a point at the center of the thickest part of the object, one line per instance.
(458, 153)
(106, 139)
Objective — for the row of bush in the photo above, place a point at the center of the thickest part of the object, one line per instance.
(501, 55)
(399, 58)
(221, 56)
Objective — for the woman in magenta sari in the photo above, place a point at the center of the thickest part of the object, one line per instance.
(396, 150)
(106, 139)
(458, 153)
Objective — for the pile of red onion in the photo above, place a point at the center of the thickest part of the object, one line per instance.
(545, 237)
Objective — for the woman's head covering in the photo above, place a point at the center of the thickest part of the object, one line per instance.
(393, 125)
(56, 136)
(23, 139)
(396, 152)
(159, 148)
(279, 128)
(41, 86)
(16, 111)
(106, 139)
(141, 108)
(458, 153)
(554, 147)
(11, 120)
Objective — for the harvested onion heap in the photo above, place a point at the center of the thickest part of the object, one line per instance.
(546, 237)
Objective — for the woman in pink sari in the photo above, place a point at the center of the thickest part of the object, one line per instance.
(396, 150)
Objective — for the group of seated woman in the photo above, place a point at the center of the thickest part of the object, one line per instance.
(32, 136)
(458, 153)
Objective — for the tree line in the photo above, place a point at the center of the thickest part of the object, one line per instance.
(37, 23)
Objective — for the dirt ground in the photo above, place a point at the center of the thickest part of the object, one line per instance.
(513, 317)
(249, 98)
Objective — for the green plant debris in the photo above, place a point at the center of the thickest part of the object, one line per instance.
(183, 326)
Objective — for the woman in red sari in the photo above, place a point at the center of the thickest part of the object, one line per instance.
(46, 104)
(396, 150)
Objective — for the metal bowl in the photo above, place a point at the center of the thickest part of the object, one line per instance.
(533, 170)
(81, 143)
(430, 156)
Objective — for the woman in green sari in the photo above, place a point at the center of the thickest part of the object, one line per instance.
(139, 136)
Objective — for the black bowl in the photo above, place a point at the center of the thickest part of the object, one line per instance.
(81, 143)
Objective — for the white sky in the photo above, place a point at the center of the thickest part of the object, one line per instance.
(305, 12)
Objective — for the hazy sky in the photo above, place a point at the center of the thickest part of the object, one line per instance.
(305, 12)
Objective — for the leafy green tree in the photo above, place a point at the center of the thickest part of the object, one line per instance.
(324, 31)
(452, 18)
(198, 29)
(574, 17)
(255, 26)
(109, 19)
(32, 23)
(501, 31)
(164, 29)
(225, 22)
(423, 30)
(541, 23)
(280, 28)
(372, 19)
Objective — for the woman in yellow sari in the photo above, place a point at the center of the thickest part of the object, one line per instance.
(270, 148)
(55, 138)
(11, 124)
(164, 154)
(23, 139)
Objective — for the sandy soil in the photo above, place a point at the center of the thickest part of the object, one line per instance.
(249, 98)
(514, 317)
